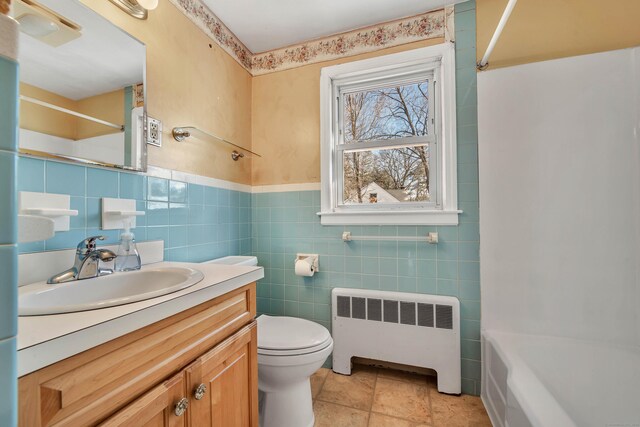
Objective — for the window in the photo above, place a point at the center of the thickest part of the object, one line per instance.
(388, 139)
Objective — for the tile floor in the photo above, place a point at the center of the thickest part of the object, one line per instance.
(373, 397)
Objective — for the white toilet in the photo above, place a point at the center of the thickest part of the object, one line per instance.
(290, 350)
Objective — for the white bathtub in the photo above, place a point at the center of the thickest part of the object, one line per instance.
(531, 380)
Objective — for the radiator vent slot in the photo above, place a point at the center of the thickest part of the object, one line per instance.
(407, 313)
(391, 311)
(358, 310)
(374, 309)
(344, 306)
(425, 314)
(444, 316)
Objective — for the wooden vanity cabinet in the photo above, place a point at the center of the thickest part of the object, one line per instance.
(196, 368)
(157, 408)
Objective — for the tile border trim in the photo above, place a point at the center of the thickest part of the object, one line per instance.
(282, 188)
(206, 181)
(190, 178)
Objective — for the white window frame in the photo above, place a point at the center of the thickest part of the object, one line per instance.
(440, 59)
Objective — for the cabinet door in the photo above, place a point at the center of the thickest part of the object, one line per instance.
(157, 408)
(223, 383)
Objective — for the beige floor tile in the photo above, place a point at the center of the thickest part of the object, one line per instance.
(317, 381)
(410, 377)
(355, 390)
(379, 420)
(402, 400)
(458, 411)
(331, 415)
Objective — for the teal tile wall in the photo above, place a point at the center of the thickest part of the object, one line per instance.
(196, 222)
(8, 290)
(8, 383)
(286, 223)
(8, 239)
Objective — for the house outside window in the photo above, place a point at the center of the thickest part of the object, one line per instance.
(388, 139)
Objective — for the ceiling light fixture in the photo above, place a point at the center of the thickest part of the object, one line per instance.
(43, 24)
(136, 8)
(37, 25)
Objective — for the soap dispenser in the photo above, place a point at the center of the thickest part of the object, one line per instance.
(128, 258)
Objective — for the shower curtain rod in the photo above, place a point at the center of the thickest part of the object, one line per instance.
(484, 62)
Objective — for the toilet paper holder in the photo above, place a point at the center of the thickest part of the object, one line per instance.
(311, 257)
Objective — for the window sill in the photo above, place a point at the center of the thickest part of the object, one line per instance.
(390, 218)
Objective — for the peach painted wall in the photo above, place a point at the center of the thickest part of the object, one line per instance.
(285, 113)
(95, 106)
(546, 29)
(45, 120)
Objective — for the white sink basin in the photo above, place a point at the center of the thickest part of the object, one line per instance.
(107, 291)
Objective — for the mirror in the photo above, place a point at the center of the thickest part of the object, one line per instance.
(81, 86)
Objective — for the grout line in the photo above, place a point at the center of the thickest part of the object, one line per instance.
(373, 396)
(340, 404)
(324, 380)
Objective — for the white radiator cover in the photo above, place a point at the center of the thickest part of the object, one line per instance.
(423, 330)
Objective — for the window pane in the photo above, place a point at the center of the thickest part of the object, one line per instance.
(392, 175)
(386, 113)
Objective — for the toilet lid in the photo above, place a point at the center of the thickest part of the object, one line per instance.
(290, 333)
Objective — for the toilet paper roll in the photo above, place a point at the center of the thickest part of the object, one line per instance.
(304, 267)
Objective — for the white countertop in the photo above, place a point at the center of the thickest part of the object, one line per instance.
(43, 340)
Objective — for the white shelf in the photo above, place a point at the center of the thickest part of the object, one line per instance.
(71, 112)
(116, 211)
(50, 213)
(45, 205)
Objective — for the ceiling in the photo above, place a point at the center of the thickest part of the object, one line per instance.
(103, 59)
(266, 25)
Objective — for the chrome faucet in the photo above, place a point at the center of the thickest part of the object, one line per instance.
(88, 263)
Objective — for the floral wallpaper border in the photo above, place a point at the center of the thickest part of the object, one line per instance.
(420, 27)
(425, 26)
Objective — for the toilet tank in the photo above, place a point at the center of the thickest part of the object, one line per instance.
(234, 260)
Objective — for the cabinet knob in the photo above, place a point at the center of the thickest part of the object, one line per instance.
(200, 391)
(181, 406)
